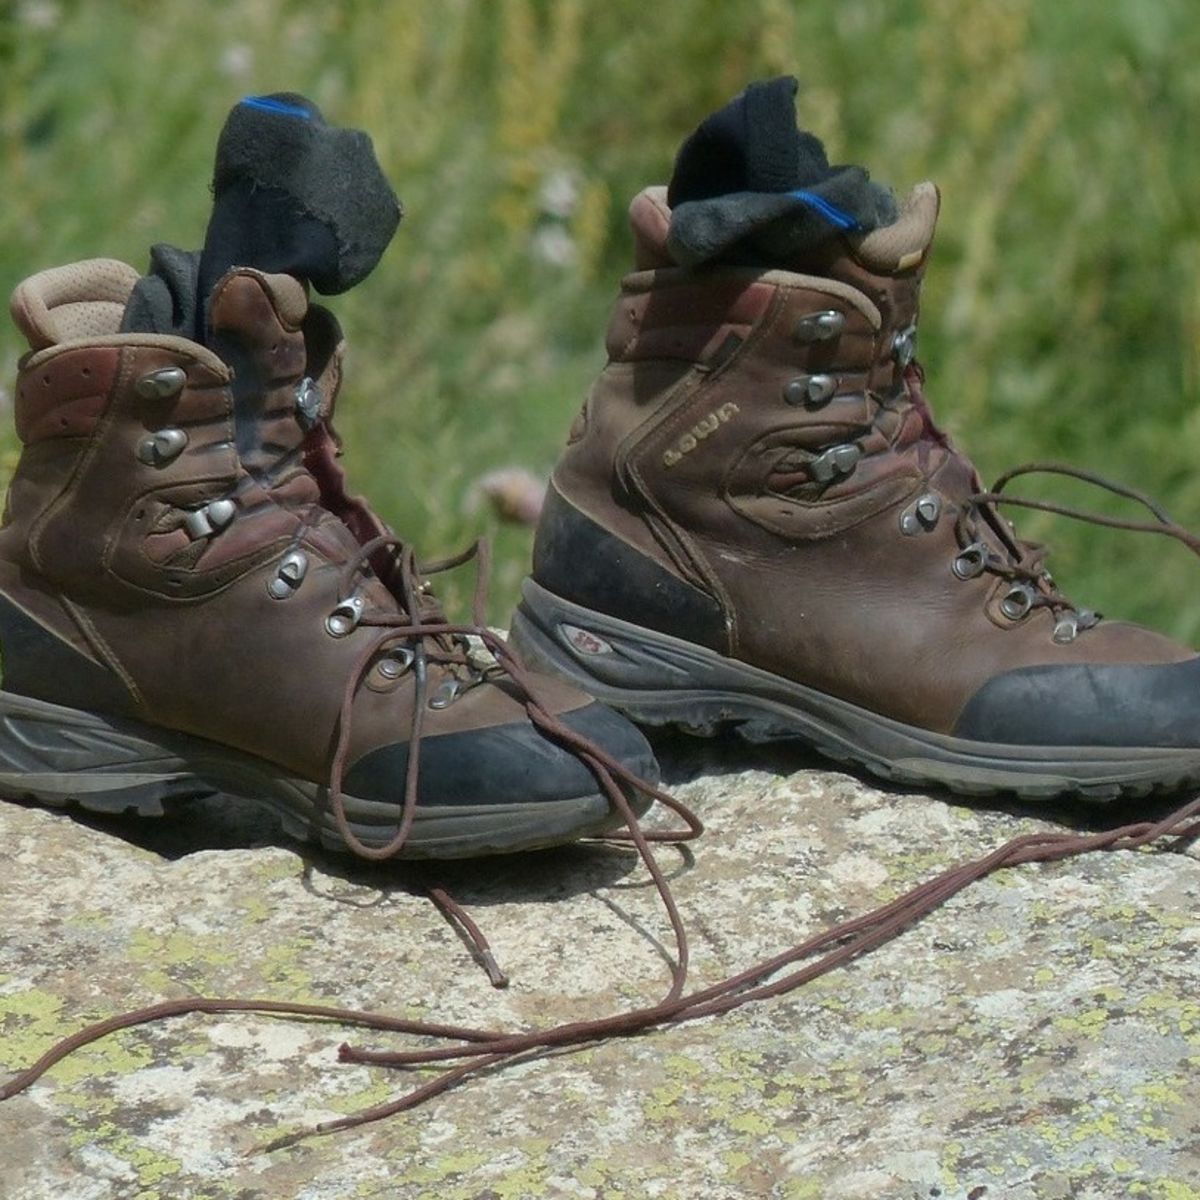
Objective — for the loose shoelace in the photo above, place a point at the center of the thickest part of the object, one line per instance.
(1024, 564)
(1162, 523)
(480, 1049)
(402, 628)
(1023, 561)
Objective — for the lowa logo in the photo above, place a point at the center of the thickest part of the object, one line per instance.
(584, 641)
(698, 432)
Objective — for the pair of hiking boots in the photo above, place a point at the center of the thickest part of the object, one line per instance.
(756, 521)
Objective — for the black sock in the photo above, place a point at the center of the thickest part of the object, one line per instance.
(290, 194)
(749, 186)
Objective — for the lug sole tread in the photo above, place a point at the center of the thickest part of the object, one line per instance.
(658, 680)
(65, 758)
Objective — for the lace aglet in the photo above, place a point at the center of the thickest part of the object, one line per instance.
(497, 977)
(481, 951)
(278, 1143)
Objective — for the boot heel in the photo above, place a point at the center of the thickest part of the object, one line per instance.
(59, 756)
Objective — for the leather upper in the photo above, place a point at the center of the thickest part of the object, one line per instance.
(146, 536)
(763, 438)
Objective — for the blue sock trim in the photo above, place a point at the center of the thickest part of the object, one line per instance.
(837, 217)
(266, 104)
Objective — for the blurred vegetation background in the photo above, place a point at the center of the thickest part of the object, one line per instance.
(1062, 309)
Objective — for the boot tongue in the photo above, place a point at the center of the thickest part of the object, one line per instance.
(255, 324)
(751, 188)
(292, 195)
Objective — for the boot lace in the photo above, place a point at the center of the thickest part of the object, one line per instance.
(1033, 586)
(431, 638)
(423, 631)
(989, 543)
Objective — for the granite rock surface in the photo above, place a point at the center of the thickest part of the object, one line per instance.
(1037, 1037)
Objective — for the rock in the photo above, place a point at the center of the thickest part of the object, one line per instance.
(1035, 1037)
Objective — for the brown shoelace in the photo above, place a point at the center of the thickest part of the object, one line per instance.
(1023, 561)
(1162, 523)
(1027, 562)
(476, 1049)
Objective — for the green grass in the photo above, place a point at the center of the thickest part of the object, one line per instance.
(1062, 310)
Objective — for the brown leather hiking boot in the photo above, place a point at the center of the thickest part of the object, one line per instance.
(190, 602)
(756, 521)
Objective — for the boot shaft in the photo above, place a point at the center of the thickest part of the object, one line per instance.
(127, 442)
(764, 407)
(791, 355)
(151, 460)
(138, 552)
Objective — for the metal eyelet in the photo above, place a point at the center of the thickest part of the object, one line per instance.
(386, 674)
(904, 345)
(209, 520)
(922, 515)
(447, 693)
(1066, 628)
(289, 575)
(161, 384)
(811, 389)
(820, 326)
(162, 447)
(970, 561)
(308, 403)
(345, 618)
(397, 662)
(835, 462)
(453, 686)
(1017, 602)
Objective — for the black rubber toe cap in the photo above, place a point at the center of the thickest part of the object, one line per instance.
(503, 764)
(1088, 705)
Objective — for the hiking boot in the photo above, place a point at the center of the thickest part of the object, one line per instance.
(172, 626)
(191, 602)
(757, 522)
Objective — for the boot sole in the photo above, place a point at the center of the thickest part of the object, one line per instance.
(657, 679)
(63, 757)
